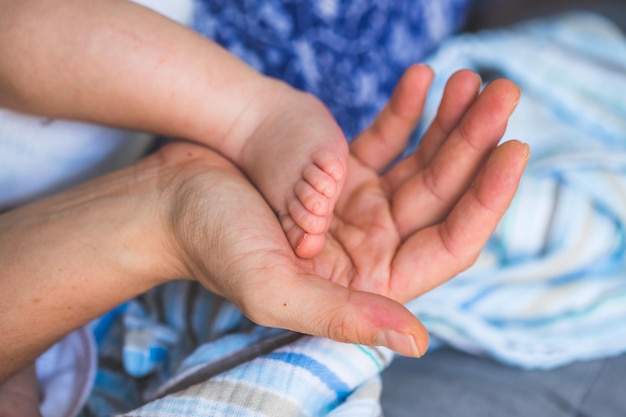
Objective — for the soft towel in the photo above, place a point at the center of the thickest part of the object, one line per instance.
(550, 288)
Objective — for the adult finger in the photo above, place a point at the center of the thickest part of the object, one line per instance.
(316, 306)
(435, 254)
(454, 167)
(458, 95)
(380, 144)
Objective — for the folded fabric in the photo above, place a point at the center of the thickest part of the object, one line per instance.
(66, 373)
(550, 287)
(185, 351)
(308, 377)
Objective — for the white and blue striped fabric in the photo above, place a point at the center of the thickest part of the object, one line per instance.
(551, 286)
(200, 356)
(549, 289)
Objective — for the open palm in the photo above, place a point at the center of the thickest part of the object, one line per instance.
(410, 228)
(402, 231)
(396, 232)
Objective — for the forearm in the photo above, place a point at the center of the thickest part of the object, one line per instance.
(117, 63)
(67, 259)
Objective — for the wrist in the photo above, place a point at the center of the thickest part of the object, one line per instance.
(71, 257)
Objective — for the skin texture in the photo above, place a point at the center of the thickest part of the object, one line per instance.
(186, 211)
(120, 64)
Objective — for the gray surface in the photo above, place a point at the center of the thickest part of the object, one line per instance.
(448, 383)
(498, 13)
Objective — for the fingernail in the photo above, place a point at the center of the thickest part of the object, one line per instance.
(300, 240)
(403, 344)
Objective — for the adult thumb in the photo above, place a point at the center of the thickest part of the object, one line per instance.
(313, 305)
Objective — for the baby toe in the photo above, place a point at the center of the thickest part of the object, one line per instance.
(331, 164)
(308, 221)
(319, 180)
(304, 245)
(311, 199)
(310, 245)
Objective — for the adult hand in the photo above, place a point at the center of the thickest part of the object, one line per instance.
(186, 212)
(395, 234)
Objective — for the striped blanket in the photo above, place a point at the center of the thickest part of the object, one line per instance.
(549, 289)
(551, 286)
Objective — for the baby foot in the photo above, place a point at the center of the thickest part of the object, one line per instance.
(310, 209)
(297, 158)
